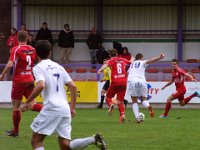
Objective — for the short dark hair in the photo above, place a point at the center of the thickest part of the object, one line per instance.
(44, 23)
(22, 36)
(138, 56)
(43, 48)
(66, 25)
(175, 60)
(113, 52)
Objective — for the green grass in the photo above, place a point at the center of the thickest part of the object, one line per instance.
(181, 131)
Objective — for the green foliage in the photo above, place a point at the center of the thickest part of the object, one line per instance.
(179, 131)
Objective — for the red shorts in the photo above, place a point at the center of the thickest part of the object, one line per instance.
(179, 94)
(119, 90)
(21, 89)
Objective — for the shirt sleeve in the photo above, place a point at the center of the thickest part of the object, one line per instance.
(145, 64)
(38, 74)
(66, 76)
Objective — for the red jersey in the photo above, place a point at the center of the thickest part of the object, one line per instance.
(118, 70)
(23, 57)
(178, 77)
(12, 40)
(125, 56)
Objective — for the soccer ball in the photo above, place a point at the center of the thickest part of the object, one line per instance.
(141, 116)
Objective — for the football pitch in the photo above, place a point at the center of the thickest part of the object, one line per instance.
(181, 131)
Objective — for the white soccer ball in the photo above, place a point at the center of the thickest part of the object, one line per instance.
(141, 116)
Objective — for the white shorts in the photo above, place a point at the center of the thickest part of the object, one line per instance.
(137, 88)
(47, 124)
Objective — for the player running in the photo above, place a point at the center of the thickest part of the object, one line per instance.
(178, 77)
(56, 114)
(22, 57)
(118, 82)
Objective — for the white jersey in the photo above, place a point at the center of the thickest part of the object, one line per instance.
(54, 93)
(137, 70)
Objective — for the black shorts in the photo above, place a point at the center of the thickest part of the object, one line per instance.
(106, 85)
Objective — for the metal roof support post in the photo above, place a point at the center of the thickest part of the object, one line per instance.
(180, 30)
(19, 13)
(99, 5)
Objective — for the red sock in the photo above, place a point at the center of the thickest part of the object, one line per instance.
(108, 101)
(167, 108)
(16, 121)
(37, 107)
(187, 99)
(121, 108)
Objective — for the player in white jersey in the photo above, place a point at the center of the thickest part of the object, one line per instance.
(56, 113)
(136, 83)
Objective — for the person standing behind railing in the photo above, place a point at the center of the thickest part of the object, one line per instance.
(94, 43)
(66, 43)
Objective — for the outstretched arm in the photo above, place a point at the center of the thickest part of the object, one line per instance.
(191, 77)
(154, 59)
(168, 84)
(102, 67)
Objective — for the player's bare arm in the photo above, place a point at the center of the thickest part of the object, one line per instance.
(168, 84)
(154, 59)
(102, 67)
(191, 77)
(40, 85)
(6, 69)
(72, 86)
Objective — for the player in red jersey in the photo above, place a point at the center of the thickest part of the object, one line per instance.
(178, 77)
(118, 82)
(22, 57)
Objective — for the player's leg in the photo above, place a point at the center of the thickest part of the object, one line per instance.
(167, 106)
(146, 104)
(143, 93)
(16, 95)
(37, 141)
(64, 131)
(135, 108)
(16, 118)
(186, 100)
(110, 94)
(103, 92)
(82, 143)
(27, 92)
(121, 90)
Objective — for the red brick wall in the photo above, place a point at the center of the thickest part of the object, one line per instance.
(5, 25)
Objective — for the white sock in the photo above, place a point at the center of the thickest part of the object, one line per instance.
(145, 103)
(78, 144)
(39, 148)
(135, 109)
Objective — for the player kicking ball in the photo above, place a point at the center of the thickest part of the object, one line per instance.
(178, 77)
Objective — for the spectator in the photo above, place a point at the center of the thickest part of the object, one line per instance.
(30, 37)
(66, 43)
(125, 54)
(44, 33)
(12, 40)
(94, 42)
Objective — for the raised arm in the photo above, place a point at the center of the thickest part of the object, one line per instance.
(154, 59)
